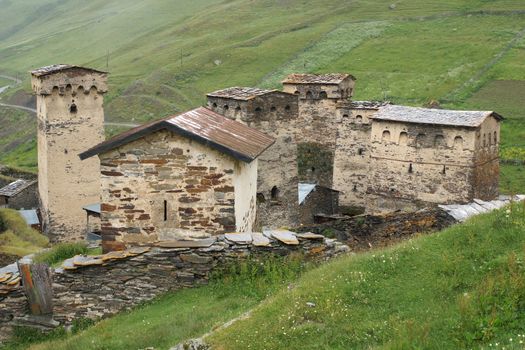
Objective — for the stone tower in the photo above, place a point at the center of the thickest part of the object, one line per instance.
(70, 120)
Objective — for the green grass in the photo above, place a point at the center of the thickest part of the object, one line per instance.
(463, 287)
(16, 237)
(460, 288)
(179, 315)
(62, 251)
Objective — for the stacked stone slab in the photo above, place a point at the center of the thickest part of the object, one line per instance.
(98, 286)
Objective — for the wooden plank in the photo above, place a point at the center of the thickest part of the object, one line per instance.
(38, 286)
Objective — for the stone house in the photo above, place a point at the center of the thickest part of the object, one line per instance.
(316, 200)
(184, 176)
(70, 118)
(19, 194)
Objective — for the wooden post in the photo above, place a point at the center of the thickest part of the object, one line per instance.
(38, 287)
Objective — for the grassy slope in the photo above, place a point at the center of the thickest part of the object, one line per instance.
(16, 237)
(430, 292)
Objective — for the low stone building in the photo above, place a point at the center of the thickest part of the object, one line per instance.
(397, 157)
(315, 201)
(189, 175)
(19, 194)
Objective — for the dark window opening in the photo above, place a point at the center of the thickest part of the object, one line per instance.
(273, 109)
(258, 109)
(275, 193)
(260, 198)
(65, 151)
(296, 92)
(495, 137)
(444, 171)
(313, 169)
(309, 95)
(345, 115)
(165, 210)
(73, 108)
(359, 118)
(355, 188)
(214, 105)
(287, 108)
(323, 94)
(226, 107)
(410, 169)
(360, 151)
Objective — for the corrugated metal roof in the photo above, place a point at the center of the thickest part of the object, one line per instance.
(433, 116)
(203, 125)
(58, 68)
(94, 208)
(16, 187)
(239, 93)
(368, 104)
(330, 78)
(30, 216)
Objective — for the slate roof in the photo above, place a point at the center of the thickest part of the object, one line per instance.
(368, 104)
(239, 93)
(329, 78)
(94, 208)
(55, 68)
(200, 124)
(419, 115)
(30, 216)
(15, 187)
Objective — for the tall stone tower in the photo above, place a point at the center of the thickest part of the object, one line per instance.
(70, 120)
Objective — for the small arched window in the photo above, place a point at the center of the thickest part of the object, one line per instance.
(309, 95)
(237, 109)
(258, 109)
(403, 138)
(439, 140)
(420, 140)
(73, 109)
(275, 193)
(495, 138)
(323, 94)
(484, 140)
(444, 171)
(359, 118)
(226, 107)
(360, 151)
(296, 92)
(273, 109)
(287, 108)
(458, 142)
(410, 168)
(386, 136)
(214, 105)
(345, 115)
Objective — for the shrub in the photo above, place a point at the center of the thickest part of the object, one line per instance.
(61, 252)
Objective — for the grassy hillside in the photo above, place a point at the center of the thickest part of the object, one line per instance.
(165, 55)
(16, 238)
(460, 288)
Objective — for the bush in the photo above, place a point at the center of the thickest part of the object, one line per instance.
(61, 252)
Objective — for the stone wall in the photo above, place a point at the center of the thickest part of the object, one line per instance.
(165, 186)
(99, 286)
(70, 120)
(321, 200)
(486, 171)
(27, 199)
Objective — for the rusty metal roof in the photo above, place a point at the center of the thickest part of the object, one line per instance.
(203, 125)
(368, 104)
(419, 115)
(329, 78)
(16, 187)
(239, 93)
(55, 68)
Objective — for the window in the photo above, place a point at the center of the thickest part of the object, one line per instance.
(386, 136)
(287, 108)
(309, 95)
(312, 169)
(214, 105)
(260, 198)
(345, 115)
(73, 109)
(359, 118)
(403, 138)
(273, 109)
(323, 94)
(360, 151)
(258, 109)
(237, 110)
(296, 92)
(275, 193)
(439, 140)
(226, 107)
(354, 188)
(444, 171)
(458, 142)
(410, 169)
(495, 138)
(484, 140)
(420, 140)
(165, 210)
